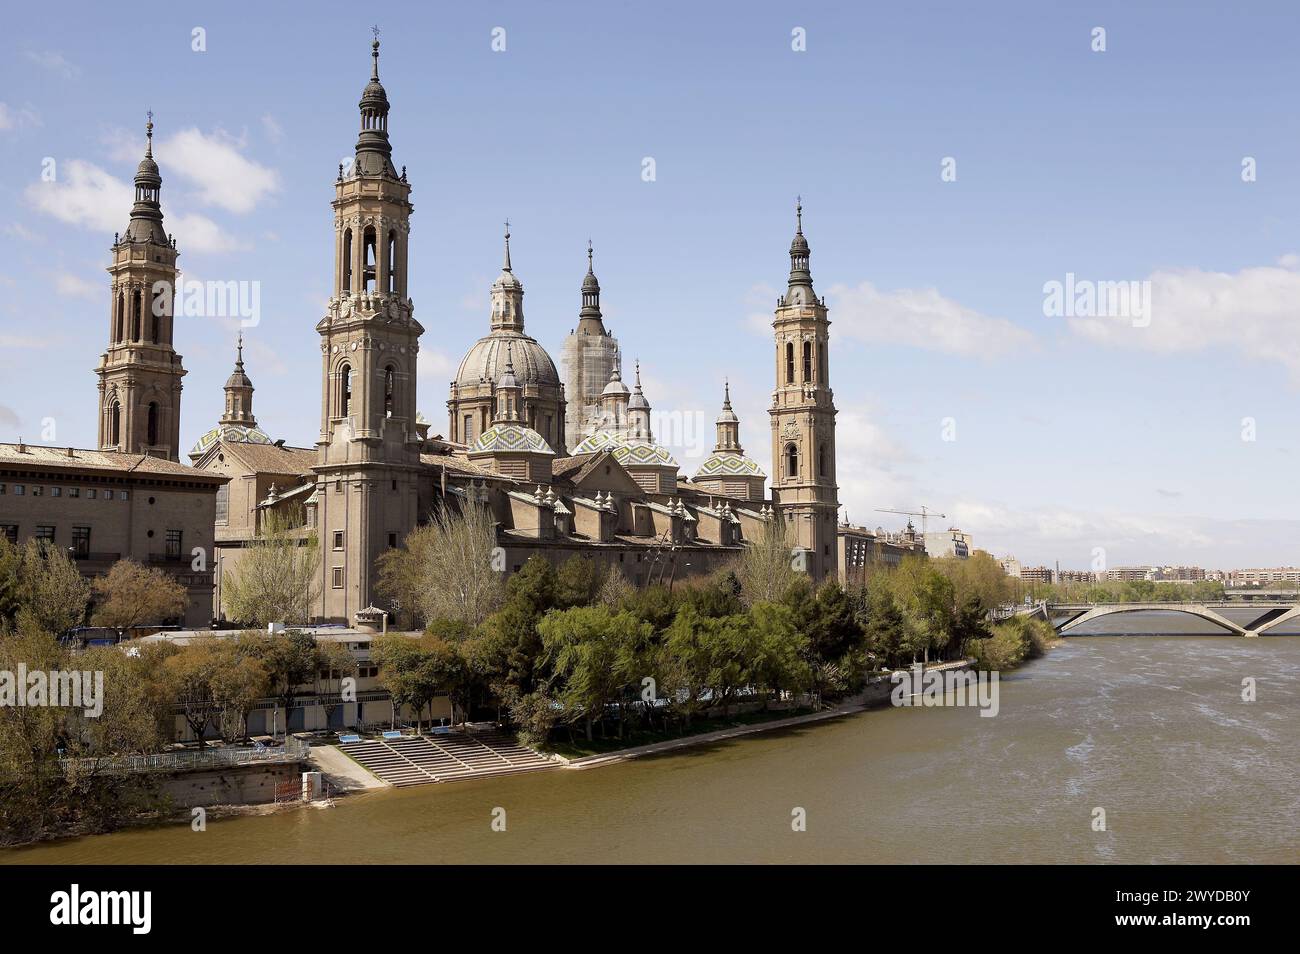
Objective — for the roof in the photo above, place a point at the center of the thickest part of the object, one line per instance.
(231, 434)
(510, 437)
(272, 458)
(569, 468)
(729, 464)
(458, 465)
(628, 451)
(76, 458)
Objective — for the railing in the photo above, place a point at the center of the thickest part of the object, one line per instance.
(292, 750)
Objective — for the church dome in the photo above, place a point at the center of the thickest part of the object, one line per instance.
(486, 361)
(510, 437)
(231, 434)
(628, 450)
(721, 464)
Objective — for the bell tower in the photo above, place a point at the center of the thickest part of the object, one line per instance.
(368, 452)
(140, 373)
(803, 417)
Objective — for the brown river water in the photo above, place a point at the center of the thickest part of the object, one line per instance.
(1152, 728)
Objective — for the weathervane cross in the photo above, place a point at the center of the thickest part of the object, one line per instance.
(375, 30)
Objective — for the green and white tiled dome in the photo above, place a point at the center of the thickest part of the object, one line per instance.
(627, 450)
(728, 465)
(232, 434)
(504, 438)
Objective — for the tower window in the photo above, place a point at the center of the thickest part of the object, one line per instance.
(345, 390)
(821, 362)
(346, 285)
(392, 261)
(469, 429)
(369, 253)
(789, 362)
(821, 460)
(152, 429)
(388, 391)
(807, 362)
(791, 460)
(135, 315)
(115, 423)
(120, 332)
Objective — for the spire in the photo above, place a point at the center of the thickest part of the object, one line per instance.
(507, 295)
(239, 392)
(374, 152)
(589, 317)
(728, 424)
(146, 213)
(800, 276)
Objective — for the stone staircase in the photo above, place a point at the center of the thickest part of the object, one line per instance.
(422, 759)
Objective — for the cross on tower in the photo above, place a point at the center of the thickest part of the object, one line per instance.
(375, 31)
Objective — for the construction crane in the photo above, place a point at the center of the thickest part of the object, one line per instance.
(924, 513)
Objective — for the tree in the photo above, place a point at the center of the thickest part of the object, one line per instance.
(404, 672)
(576, 582)
(133, 594)
(447, 568)
(290, 660)
(41, 589)
(189, 676)
(615, 588)
(239, 680)
(766, 568)
(276, 577)
(336, 663)
(588, 651)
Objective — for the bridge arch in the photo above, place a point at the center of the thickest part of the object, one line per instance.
(1091, 613)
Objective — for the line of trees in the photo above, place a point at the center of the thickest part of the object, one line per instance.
(576, 648)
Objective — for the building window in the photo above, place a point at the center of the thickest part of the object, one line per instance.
(338, 486)
(37, 490)
(469, 429)
(807, 362)
(791, 460)
(115, 423)
(123, 495)
(338, 539)
(821, 460)
(56, 491)
(19, 490)
(389, 375)
(152, 435)
(44, 534)
(135, 315)
(392, 541)
(223, 504)
(81, 542)
(789, 362)
(345, 390)
(9, 531)
(74, 492)
(346, 288)
(392, 261)
(337, 582)
(92, 493)
(173, 544)
(2, 490)
(821, 362)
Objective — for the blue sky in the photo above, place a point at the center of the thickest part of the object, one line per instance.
(1119, 165)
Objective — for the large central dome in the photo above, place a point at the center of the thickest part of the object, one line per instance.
(486, 361)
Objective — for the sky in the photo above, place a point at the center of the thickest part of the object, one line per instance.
(954, 160)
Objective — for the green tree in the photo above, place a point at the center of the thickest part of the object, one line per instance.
(131, 594)
(276, 578)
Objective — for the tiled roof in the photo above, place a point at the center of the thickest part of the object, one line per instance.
(36, 455)
(729, 464)
(272, 458)
(458, 465)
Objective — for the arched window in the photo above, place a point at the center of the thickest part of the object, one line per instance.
(821, 362)
(368, 256)
(135, 315)
(389, 376)
(345, 390)
(392, 261)
(115, 423)
(789, 362)
(821, 460)
(120, 334)
(159, 306)
(153, 424)
(346, 288)
(807, 362)
(791, 460)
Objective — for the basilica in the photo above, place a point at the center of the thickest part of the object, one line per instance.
(566, 459)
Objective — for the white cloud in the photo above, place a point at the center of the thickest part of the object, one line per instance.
(274, 131)
(74, 286)
(918, 318)
(1252, 311)
(225, 177)
(14, 118)
(88, 197)
(921, 318)
(55, 62)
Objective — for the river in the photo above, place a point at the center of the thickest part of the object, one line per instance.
(1152, 729)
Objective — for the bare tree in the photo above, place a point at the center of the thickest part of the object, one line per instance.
(133, 594)
(447, 569)
(766, 568)
(275, 580)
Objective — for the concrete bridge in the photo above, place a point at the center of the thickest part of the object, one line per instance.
(1067, 616)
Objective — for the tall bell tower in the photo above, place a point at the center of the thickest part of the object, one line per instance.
(803, 418)
(140, 373)
(368, 452)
